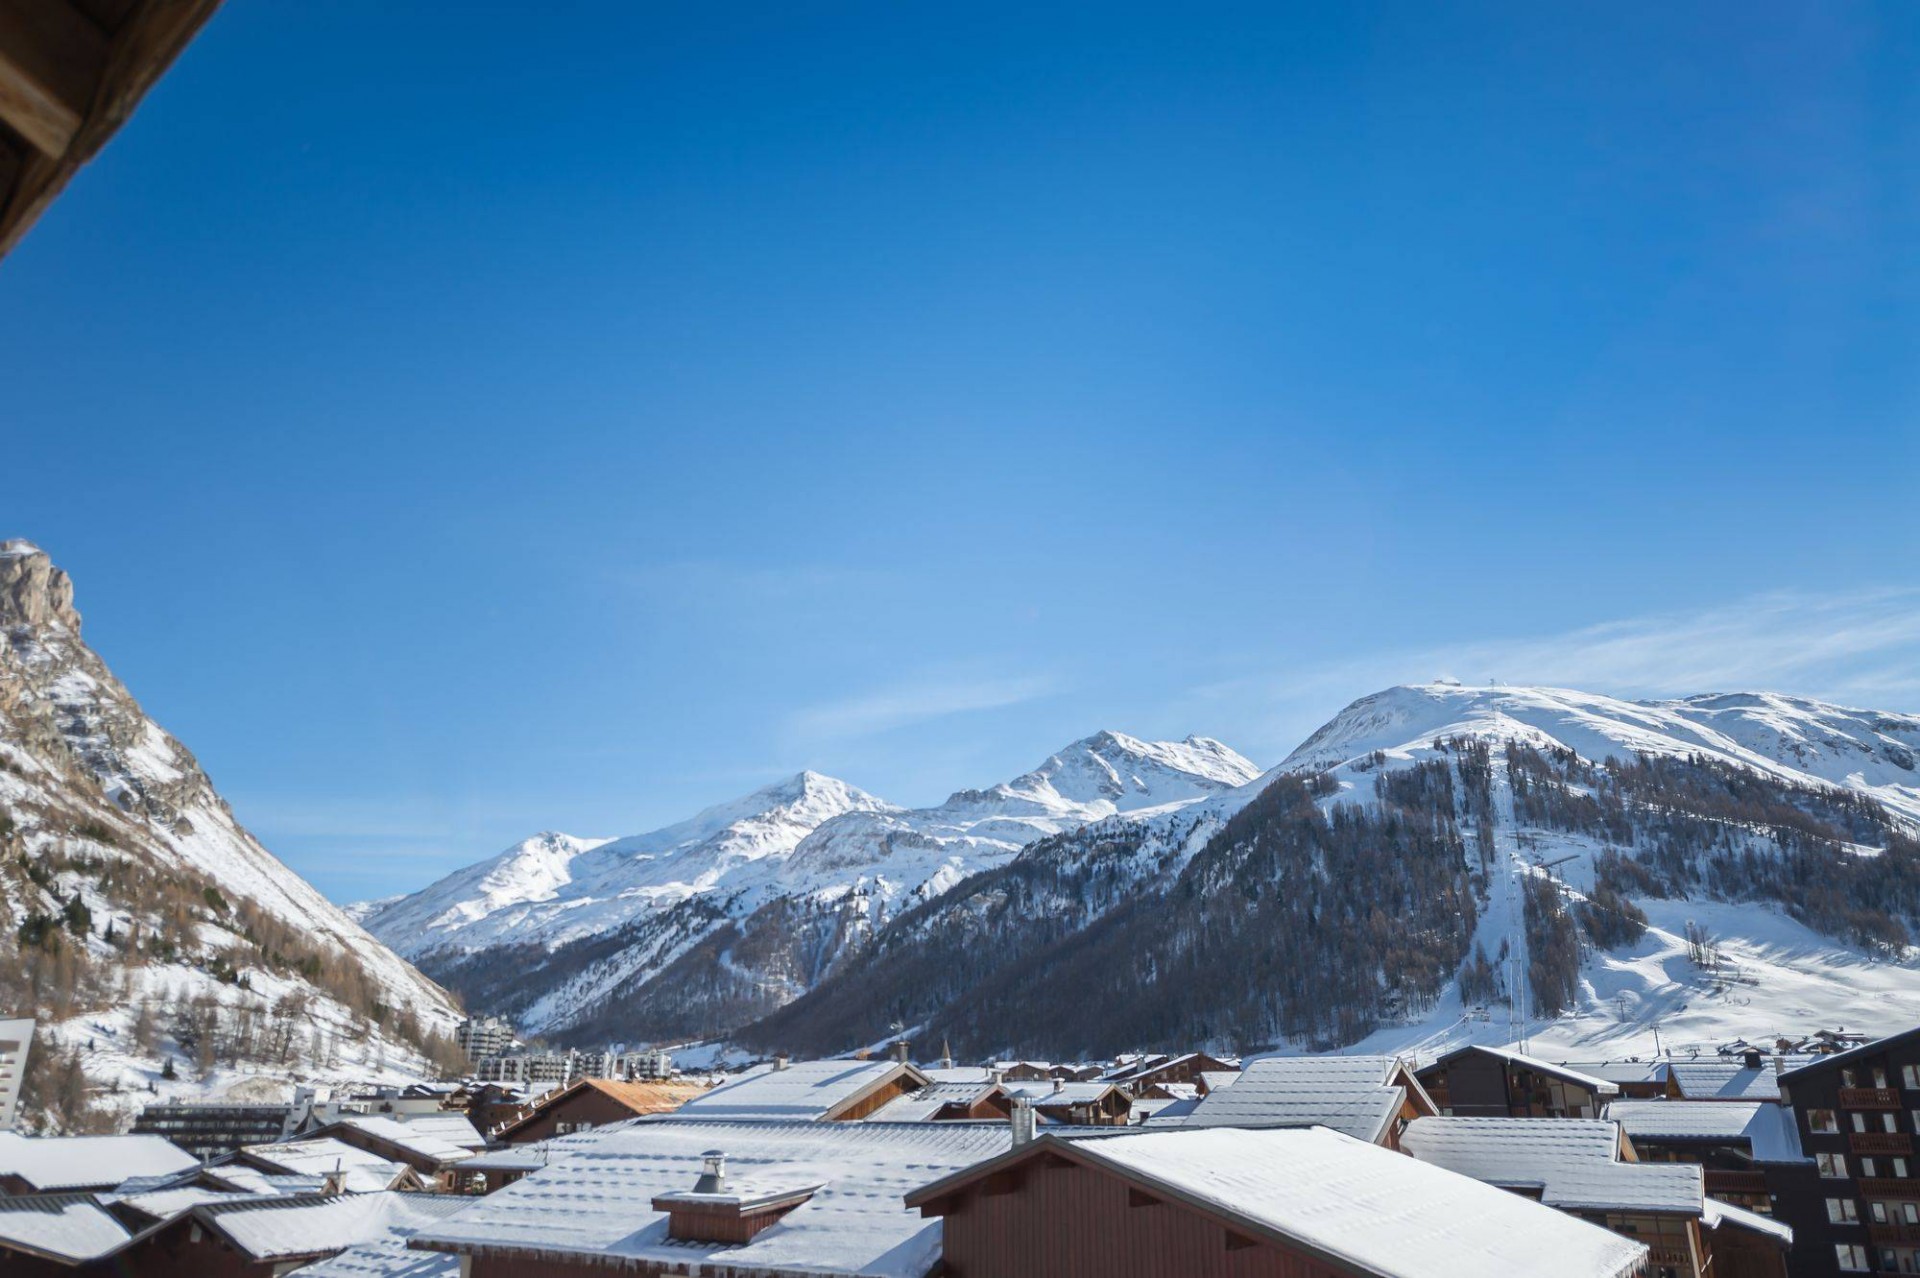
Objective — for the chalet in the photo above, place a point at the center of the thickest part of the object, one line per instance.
(595, 1102)
(807, 1091)
(760, 1197)
(1492, 1082)
(1750, 1150)
(342, 1167)
(1185, 1068)
(49, 1235)
(71, 73)
(1586, 1167)
(1370, 1098)
(947, 1102)
(435, 1160)
(268, 1237)
(1636, 1079)
(65, 1164)
(1857, 1114)
(1229, 1203)
(1023, 1071)
(1750, 1076)
(1075, 1104)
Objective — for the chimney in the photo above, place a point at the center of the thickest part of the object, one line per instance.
(780, 1061)
(901, 1050)
(1023, 1122)
(1750, 1060)
(997, 1074)
(1058, 1084)
(713, 1173)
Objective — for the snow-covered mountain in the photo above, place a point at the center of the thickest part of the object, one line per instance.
(1427, 858)
(591, 924)
(127, 884)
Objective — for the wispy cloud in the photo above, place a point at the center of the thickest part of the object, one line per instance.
(870, 713)
(1861, 647)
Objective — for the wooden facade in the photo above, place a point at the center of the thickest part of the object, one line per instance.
(1475, 1083)
(595, 1102)
(71, 73)
(1052, 1217)
(1858, 1115)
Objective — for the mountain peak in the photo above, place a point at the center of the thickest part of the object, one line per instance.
(32, 591)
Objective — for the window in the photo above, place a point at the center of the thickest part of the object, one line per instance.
(1910, 1075)
(1879, 1077)
(1822, 1120)
(1841, 1211)
(1859, 1122)
(1888, 1123)
(1912, 1212)
(1869, 1168)
(1877, 1212)
(1849, 1077)
(1834, 1165)
(1900, 1168)
(1850, 1255)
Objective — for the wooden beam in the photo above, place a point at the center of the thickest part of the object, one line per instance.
(51, 59)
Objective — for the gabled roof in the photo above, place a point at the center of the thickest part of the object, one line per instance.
(1571, 1162)
(454, 1128)
(281, 1229)
(50, 1163)
(68, 1228)
(597, 1201)
(1568, 1073)
(1054, 1093)
(1767, 1129)
(363, 1171)
(1353, 1206)
(806, 1091)
(1357, 1095)
(419, 1142)
(1853, 1055)
(1729, 1078)
(388, 1258)
(925, 1105)
(639, 1099)
(1623, 1071)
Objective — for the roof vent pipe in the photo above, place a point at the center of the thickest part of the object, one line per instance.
(1023, 1123)
(713, 1173)
(780, 1061)
(900, 1049)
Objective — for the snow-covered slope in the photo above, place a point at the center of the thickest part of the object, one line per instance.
(1742, 817)
(95, 797)
(555, 888)
(1874, 752)
(615, 914)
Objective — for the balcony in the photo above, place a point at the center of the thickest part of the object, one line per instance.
(1736, 1182)
(1880, 1142)
(1895, 1235)
(1887, 1187)
(1869, 1098)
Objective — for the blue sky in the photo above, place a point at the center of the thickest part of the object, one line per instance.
(458, 428)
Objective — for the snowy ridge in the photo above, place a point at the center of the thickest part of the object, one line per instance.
(810, 838)
(1808, 741)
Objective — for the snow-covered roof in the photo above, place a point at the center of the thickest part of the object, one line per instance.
(1046, 1093)
(1730, 1079)
(290, 1228)
(455, 1129)
(67, 1227)
(925, 1105)
(958, 1073)
(597, 1202)
(1794, 1064)
(1163, 1113)
(1768, 1129)
(1622, 1071)
(801, 1091)
(389, 1258)
(418, 1141)
(1572, 1074)
(1215, 1079)
(78, 1162)
(1716, 1213)
(165, 1204)
(254, 1181)
(362, 1171)
(1351, 1094)
(1571, 1162)
(1361, 1207)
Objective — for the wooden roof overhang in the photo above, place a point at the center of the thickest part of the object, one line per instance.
(71, 73)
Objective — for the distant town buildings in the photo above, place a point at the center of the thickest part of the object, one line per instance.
(16, 1040)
